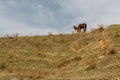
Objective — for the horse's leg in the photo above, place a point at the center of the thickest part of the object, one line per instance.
(78, 29)
(85, 29)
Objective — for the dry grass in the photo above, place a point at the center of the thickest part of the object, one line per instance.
(35, 74)
(94, 55)
(91, 64)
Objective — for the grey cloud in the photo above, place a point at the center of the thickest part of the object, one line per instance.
(41, 16)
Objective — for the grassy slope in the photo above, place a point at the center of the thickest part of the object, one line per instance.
(94, 55)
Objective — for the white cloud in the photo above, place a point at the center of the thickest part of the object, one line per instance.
(42, 16)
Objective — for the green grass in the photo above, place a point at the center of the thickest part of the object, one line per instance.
(115, 34)
(94, 55)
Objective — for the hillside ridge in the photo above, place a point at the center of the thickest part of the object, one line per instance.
(91, 55)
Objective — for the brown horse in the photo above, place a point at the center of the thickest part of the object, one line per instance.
(80, 27)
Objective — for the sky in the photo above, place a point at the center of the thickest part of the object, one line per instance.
(39, 17)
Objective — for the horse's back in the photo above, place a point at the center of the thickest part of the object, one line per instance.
(82, 25)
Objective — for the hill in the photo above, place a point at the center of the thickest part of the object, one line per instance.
(94, 55)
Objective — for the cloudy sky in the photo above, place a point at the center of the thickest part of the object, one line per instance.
(56, 16)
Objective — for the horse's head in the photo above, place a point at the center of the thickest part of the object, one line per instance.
(75, 28)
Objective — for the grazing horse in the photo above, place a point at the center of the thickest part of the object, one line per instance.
(80, 26)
